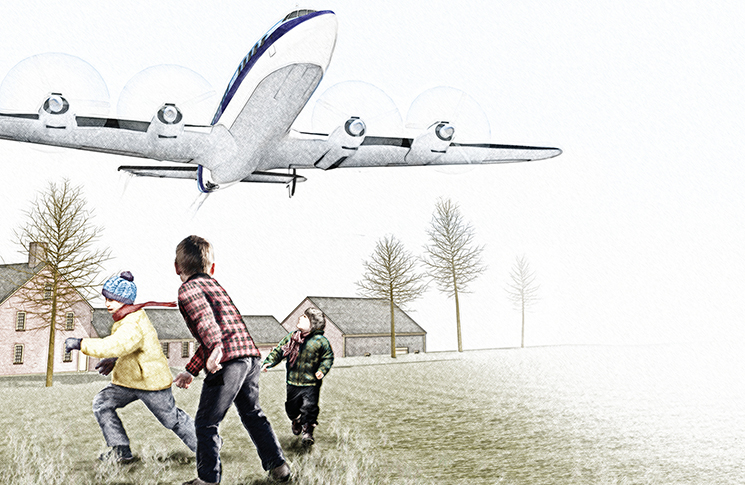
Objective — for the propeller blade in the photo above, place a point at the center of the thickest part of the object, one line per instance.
(147, 91)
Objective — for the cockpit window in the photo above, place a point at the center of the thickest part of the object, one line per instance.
(251, 53)
(296, 14)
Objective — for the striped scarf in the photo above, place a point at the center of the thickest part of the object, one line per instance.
(127, 309)
(291, 349)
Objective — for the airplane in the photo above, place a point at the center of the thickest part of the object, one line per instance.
(250, 138)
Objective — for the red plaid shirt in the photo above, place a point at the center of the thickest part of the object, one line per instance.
(213, 320)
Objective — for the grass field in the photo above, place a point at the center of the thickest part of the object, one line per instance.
(565, 415)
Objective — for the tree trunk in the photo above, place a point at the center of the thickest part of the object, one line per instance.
(52, 332)
(522, 338)
(457, 320)
(393, 333)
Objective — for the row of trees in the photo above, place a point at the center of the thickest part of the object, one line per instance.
(58, 217)
(451, 260)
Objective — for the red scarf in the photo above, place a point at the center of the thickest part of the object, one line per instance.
(127, 309)
(292, 348)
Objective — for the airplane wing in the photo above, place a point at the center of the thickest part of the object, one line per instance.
(375, 151)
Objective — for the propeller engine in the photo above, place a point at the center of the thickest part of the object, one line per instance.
(55, 112)
(432, 144)
(168, 122)
(344, 142)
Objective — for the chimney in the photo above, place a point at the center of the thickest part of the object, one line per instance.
(36, 253)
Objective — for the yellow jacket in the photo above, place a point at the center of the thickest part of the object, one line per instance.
(141, 363)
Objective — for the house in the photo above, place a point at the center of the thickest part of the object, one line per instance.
(176, 339)
(24, 330)
(360, 326)
(265, 331)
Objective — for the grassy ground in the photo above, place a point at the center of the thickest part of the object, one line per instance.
(531, 416)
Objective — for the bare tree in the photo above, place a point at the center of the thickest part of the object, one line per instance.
(523, 290)
(391, 274)
(59, 231)
(452, 259)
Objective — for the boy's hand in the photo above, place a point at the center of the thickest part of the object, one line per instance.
(183, 380)
(319, 375)
(105, 366)
(213, 362)
(264, 367)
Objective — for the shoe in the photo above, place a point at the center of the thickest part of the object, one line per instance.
(118, 454)
(199, 481)
(281, 473)
(297, 428)
(308, 434)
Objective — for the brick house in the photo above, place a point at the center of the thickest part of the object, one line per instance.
(360, 326)
(176, 340)
(24, 333)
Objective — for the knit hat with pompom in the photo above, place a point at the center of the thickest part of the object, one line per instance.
(121, 288)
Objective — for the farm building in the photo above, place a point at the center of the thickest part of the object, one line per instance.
(25, 325)
(359, 326)
(178, 343)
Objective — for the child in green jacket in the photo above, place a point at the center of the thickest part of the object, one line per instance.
(309, 358)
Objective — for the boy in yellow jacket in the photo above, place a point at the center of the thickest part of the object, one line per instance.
(140, 370)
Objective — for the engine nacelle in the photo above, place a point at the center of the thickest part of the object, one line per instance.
(343, 143)
(55, 113)
(431, 145)
(168, 123)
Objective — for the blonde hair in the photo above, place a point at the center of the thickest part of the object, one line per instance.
(194, 255)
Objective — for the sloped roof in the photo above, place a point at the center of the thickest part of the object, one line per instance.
(14, 276)
(264, 329)
(170, 325)
(356, 316)
(168, 322)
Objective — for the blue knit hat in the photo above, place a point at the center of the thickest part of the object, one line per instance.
(121, 288)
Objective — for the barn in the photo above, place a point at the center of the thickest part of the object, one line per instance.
(361, 326)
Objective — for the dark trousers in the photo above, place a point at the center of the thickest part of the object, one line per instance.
(236, 383)
(302, 401)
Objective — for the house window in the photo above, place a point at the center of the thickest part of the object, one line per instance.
(18, 354)
(20, 321)
(70, 321)
(47, 292)
(164, 345)
(184, 349)
(67, 357)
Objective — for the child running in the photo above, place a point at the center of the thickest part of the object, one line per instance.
(140, 370)
(231, 359)
(309, 359)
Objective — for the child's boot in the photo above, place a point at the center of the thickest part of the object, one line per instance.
(308, 434)
(297, 428)
(118, 454)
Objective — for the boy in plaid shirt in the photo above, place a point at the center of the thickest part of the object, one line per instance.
(232, 361)
(309, 359)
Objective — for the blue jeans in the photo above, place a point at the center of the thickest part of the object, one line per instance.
(236, 383)
(160, 403)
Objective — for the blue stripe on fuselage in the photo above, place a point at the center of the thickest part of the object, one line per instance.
(274, 34)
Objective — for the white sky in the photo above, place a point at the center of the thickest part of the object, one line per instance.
(635, 232)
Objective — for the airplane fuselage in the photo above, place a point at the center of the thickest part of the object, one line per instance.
(250, 138)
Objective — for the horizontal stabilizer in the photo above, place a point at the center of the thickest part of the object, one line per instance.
(190, 172)
(273, 177)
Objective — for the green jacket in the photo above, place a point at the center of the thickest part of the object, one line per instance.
(315, 355)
